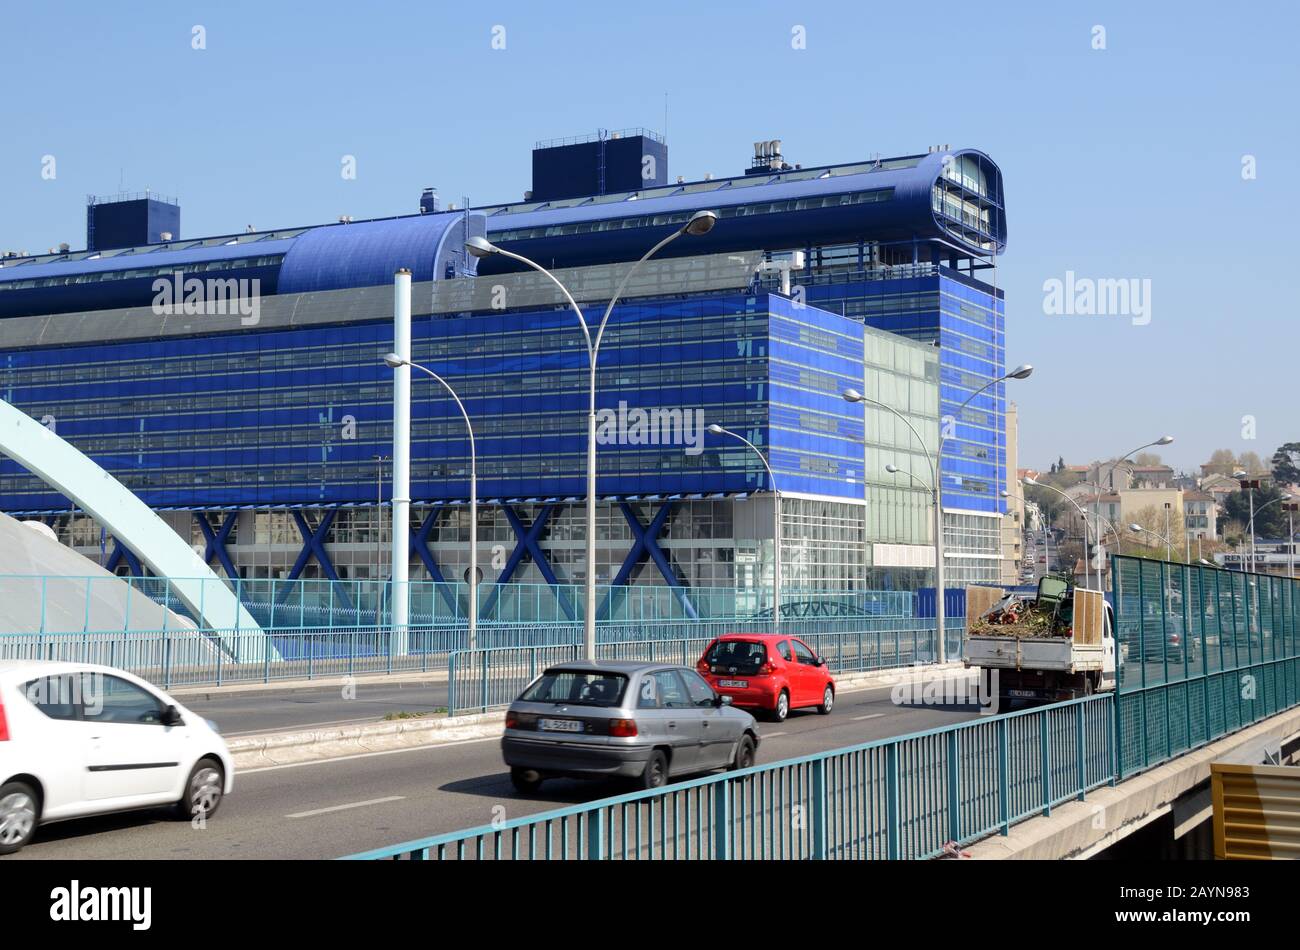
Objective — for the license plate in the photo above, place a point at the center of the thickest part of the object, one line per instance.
(560, 725)
(735, 684)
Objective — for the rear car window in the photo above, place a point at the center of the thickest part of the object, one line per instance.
(577, 687)
(738, 656)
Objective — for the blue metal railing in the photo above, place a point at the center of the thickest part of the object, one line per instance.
(312, 603)
(187, 657)
(903, 797)
(491, 678)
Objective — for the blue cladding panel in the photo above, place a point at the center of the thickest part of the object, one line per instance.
(262, 417)
(971, 331)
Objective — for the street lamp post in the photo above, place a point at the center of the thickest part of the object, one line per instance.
(1253, 512)
(397, 362)
(1290, 508)
(1163, 440)
(1083, 517)
(701, 222)
(852, 395)
(776, 529)
(1138, 529)
(379, 516)
(1249, 485)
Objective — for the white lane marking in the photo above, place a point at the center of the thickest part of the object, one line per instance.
(769, 735)
(366, 755)
(872, 716)
(324, 811)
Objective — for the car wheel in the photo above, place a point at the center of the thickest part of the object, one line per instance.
(203, 791)
(782, 706)
(18, 811)
(526, 781)
(828, 700)
(655, 774)
(744, 754)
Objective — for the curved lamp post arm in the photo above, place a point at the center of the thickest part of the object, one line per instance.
(586, 332)
(618, 291)
(776, 531)
(393, 360)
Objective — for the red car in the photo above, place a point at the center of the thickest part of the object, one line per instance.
(771, 672)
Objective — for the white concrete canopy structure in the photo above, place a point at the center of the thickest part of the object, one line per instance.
(130, 520)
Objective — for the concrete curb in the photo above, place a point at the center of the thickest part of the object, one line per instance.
(334, 681)
(319, 745)
(286, 748)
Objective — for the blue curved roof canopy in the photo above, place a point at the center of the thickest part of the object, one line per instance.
(368, 253)
(955, 197)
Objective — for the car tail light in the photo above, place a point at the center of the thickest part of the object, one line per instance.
(703, 666)
(512, 720)
(622, 728)
(4, 723)
(767, 668)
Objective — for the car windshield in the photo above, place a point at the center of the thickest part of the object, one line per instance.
(577, 688)
(740, 656)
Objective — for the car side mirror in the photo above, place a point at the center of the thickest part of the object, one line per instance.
(171, 716)
(722, 700)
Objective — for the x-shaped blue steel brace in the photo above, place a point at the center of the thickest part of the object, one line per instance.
(420, 546)
(527, 544)
(121, 554)
(646, 543)
(314, 545)
(215, 541)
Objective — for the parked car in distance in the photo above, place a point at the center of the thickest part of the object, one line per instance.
(78, 740)
(645, 721)
(774, 673)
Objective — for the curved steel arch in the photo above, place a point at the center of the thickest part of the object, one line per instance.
(131, 521)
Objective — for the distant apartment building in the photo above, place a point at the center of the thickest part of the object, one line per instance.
(1013, 525)
(1200, 515)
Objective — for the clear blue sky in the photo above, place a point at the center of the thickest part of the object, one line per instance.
(1119, 163)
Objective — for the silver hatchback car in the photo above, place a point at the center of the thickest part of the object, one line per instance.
(644, 721)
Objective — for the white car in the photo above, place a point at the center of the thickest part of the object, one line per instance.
(78, 739)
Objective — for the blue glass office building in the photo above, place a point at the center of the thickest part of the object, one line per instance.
(260, 427)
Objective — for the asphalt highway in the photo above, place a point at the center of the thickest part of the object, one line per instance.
(343, 806)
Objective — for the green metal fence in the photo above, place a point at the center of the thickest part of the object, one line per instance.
(904, 797)
(1203, 652)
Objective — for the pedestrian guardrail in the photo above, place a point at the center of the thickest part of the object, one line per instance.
(483, 679)
(904, 797)
(306, 603)
(188, 657)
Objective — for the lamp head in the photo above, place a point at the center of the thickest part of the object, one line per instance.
(1239, 473)
(701, 222)
(892, 469)
(1135, 528)
(851, 395)
(715, 429)
(1165, 440)
(393, 360)
(1022, 371)
(1029, 480)
(481, 247)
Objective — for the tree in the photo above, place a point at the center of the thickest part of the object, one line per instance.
(1251, 463)
(1152, 518)
(1222, 462)
(1286, 463)
(1146, 459)
(1269, 521)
